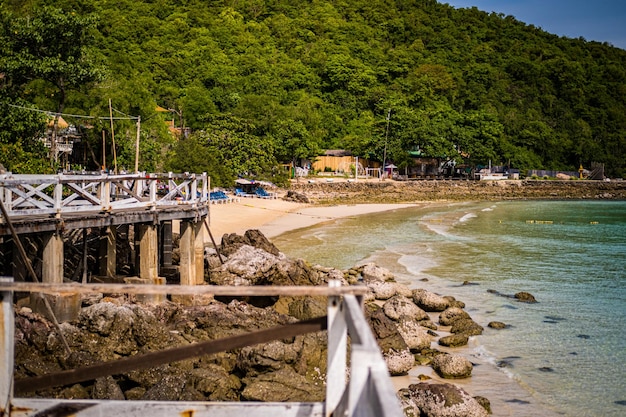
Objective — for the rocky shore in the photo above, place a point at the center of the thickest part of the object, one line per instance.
(357, 192)
(409, 324)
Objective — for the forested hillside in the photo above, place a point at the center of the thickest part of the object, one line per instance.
(258, 83)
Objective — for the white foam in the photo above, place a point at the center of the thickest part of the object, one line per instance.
(467, 217)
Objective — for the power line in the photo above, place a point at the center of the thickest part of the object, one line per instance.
(78, 116)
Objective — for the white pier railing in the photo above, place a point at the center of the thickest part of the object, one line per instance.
(366, 392)
(24, 195)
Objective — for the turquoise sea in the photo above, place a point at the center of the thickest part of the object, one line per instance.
(566, 354)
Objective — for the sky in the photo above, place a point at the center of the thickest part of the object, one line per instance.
(594, 20)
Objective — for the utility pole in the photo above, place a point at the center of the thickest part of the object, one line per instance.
(385, 151)
(113, 138)
(137, 145)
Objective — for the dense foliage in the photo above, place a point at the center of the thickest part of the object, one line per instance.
(262, 82)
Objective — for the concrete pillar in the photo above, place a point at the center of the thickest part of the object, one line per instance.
(146, 238)
(191, 265)
(65, 307)
(107, 253)
(148, 251)
(199, 252)
(52, 268)
(187, 265)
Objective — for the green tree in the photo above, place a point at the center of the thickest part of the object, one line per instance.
(193, 155)
(51, 45)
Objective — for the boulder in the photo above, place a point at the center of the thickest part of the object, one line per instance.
(429, 301)
(450, 315)
(454, 340)
(372, 272)
(296, 197)
(261, 358)
(385, 330)
(246, 265)
(232, 242)
(525, 297)
(454, 302)
(305, 308)
(497, 325)
(466, 326)
(415, 336)
(214, 383)
(169, 387)
(106, 388)
(399, 306)
(281, 386)
(399, 362)
(382, 290)
(452, 366)
(429, 399)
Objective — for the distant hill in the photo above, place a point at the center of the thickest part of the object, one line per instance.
(311, 75)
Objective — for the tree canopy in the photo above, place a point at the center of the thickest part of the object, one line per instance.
(252, 84)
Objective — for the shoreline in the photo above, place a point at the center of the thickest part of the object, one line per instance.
(344, 198)
(275, 217)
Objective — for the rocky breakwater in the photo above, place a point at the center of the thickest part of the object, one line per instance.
(342, 192)
(407, 324)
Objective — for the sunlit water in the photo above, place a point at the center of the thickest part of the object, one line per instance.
(564, 355)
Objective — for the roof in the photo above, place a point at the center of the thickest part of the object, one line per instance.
(337, 152)
(62, 123)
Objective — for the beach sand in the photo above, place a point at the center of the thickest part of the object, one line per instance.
(277, 216)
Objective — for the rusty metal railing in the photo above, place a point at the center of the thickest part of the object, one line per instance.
(368, 392)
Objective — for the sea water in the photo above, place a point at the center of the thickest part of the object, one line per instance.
(565, 354)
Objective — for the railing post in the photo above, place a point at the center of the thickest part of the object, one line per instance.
(194, 189)
(337, 351)
(58, 197)
(205, 187)
(8, 201)
(105, 194)
(6, 349)
(153, 192)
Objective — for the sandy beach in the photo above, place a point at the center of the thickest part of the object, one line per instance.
(277, 216)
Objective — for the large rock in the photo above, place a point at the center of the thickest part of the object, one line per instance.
(525, 297)
(106, 388)
(372, 272)
(452, 366)
(454, 340)
(385, 330)
(429, 301)
(215, 383)
(450, 315)
(415, 336)
(399, 363)
(382, 290)
(246, 265)
(466, 326)
(232, 242)
(399, 307)
(392, 345)
(280, 386)
(439, 400)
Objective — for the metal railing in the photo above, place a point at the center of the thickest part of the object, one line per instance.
(24, 195)
(368, 392)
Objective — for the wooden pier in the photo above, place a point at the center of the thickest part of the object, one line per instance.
(49, 207)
